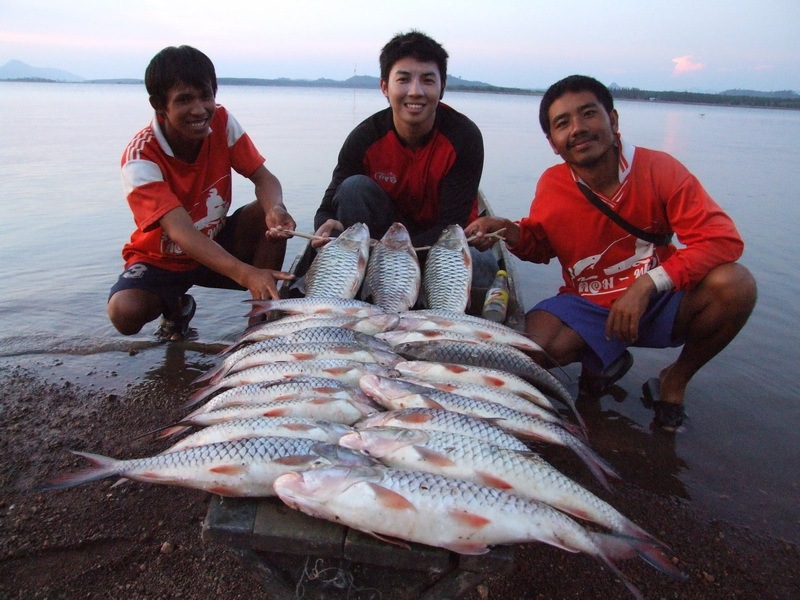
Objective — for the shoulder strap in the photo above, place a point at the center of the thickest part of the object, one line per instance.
(654, 238)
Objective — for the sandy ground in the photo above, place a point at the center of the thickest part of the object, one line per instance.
(143, 541)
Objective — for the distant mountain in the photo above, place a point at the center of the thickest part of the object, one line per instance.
(357, 81)
(18, 70)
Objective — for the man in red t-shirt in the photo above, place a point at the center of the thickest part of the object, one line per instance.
(176, 174)
(622, 289)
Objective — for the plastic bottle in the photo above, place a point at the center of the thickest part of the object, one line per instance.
(495, 306)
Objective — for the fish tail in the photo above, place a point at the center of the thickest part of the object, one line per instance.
(597, 465)
(213, 375)
(200, 394)
(102, 467)
(615, 547)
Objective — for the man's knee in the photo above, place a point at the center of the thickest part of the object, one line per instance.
(733, 286)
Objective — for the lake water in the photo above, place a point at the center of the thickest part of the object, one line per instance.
(737, 459)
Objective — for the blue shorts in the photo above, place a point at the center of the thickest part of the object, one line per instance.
(171, 285)
(588, 320)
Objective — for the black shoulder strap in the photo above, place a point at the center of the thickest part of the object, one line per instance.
(654, 238)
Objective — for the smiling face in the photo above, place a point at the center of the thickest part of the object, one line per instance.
(582, 132)
(413, 89)
(186, 118)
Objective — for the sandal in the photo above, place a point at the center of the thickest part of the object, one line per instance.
(668, 415)
(174, 330)
(597, 385)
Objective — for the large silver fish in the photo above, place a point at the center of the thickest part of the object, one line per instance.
(347, 371)
(338, 269)
(450, 513)
(237, 429)
(396, 394)
(447, 280)
(494, 356)
(246, 467)
(317, 306)
(393, 273)
(456, 455)
(436, 419)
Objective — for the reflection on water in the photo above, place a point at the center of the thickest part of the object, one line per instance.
(738, 456)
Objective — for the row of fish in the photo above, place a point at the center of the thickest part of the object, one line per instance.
(409, 424)
(389, 272)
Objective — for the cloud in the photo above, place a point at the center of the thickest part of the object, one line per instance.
(686, 64)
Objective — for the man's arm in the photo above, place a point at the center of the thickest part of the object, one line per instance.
(269, 194)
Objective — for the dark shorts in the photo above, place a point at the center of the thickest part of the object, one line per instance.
(588, 320)
(171, 285)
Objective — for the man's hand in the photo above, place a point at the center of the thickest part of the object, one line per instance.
(278, 222)
(485, 225)
(262, 283)
(627, 310)
(325, 230)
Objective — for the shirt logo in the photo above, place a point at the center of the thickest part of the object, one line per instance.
(136, 271)
(385, 177)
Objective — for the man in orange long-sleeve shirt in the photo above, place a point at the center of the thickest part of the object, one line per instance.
(620, 290)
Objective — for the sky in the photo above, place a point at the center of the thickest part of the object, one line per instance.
(695, 45)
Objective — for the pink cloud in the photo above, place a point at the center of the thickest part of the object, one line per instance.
(686, 64)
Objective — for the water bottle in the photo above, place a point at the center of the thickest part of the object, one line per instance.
(495, 306)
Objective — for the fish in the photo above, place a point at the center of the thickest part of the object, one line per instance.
(307, 351)
(493, 356)
(393, 274)
(521, 473)
(337, 410)
(338, 269)
(347, 371)
(295, 323)
(283, 389)
(296, 427)
(319, 335)
(445, 512)
(246, 467)
(472, 326)
(395, 394)
(317, 306)
(447, 279)
(434, 419)
(483, 392)
(451, 373)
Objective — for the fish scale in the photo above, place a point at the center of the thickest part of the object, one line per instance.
(393, 273)
(338, 269)
(447, 280)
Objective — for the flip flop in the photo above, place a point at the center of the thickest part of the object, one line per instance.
(668, 416)
(174, 330)
(597, 385)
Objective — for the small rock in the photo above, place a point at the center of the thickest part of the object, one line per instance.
(167, 548)
(483, 592)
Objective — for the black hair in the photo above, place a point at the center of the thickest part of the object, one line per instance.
(174, 65)
(573, 84)
(417, 45)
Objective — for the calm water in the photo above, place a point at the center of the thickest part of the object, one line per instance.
(66, 220)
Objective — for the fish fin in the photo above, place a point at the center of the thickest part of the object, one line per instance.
(222, 490)
(170, 432)
(296, 460)
(468, 548)
(390, 540)
(228, 469)
(275, 412)
(298, 426)
(200, 394)
(493, 481)
(414, 418)
(469, 519)
(597, 465)
(436, 458)
(391, 499)
(101, 468)
(303, 355)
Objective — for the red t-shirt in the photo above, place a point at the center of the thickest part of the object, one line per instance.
(155, 182)
(599, 259)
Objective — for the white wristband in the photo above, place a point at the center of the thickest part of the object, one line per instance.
(662, 280)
